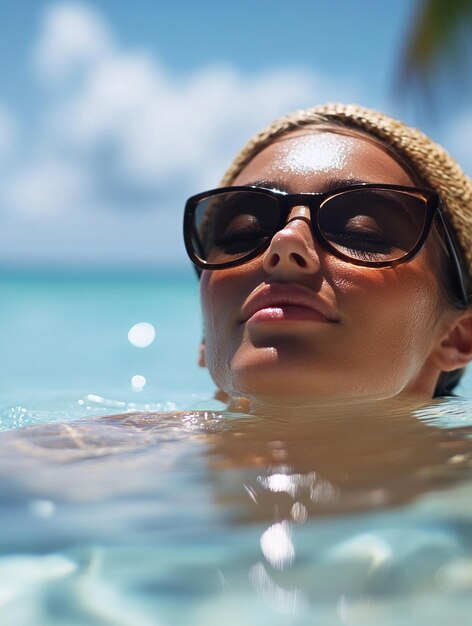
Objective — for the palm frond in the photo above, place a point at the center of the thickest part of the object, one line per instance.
(441, 35)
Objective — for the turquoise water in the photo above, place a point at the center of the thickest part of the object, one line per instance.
(205, 517)
(66, 337)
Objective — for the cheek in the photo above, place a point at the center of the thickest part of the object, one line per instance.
(391, 322)
(216, 296)
(400, 305)
(219, 300)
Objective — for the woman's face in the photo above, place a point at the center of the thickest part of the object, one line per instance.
(297, 325)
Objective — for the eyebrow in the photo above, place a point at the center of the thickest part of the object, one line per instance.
(331, 184)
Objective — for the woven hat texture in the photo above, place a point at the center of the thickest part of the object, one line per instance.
(432, 164)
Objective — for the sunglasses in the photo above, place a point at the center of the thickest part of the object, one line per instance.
(376, 226)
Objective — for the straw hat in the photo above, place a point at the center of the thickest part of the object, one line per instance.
(432, 164)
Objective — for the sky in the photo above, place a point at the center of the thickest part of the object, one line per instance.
(113, 112)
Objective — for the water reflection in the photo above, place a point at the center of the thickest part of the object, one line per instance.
(342, 518)
(276, 545)
(304, 467)
(285, 601)
(337, 464)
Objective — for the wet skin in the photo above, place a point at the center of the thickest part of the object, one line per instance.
(297, 326)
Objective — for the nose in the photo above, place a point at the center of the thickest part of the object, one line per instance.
(292, 251)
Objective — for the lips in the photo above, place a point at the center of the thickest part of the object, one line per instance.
(289, 302)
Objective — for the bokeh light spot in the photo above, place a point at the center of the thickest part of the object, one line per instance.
(141, 335)
(138, 382)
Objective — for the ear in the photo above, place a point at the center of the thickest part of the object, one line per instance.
(201, 354)
(454, 350)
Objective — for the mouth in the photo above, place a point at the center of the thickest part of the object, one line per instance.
(279, 302)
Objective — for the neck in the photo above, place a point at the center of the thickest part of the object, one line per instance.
(328, 408)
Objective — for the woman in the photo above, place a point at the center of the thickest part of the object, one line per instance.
(355, 288)
(334, 281)
(335, 264)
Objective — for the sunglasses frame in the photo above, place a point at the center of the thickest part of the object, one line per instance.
(314, 201)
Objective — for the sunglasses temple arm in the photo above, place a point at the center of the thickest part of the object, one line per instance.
(455, 257)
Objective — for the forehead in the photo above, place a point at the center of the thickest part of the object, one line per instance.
(309, 158)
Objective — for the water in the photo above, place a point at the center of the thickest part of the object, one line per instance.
(68, 336)
(203, 517)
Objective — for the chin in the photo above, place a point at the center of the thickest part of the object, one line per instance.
(280, 387)
(292, 377)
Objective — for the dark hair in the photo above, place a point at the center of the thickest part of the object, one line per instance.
(447, 280)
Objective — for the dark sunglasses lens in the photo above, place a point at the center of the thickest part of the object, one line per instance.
(373, 225)
(233, 224)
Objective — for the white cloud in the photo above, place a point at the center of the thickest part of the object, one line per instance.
(159, 129)
(120, 133)
(47, 187)
(72, 36)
